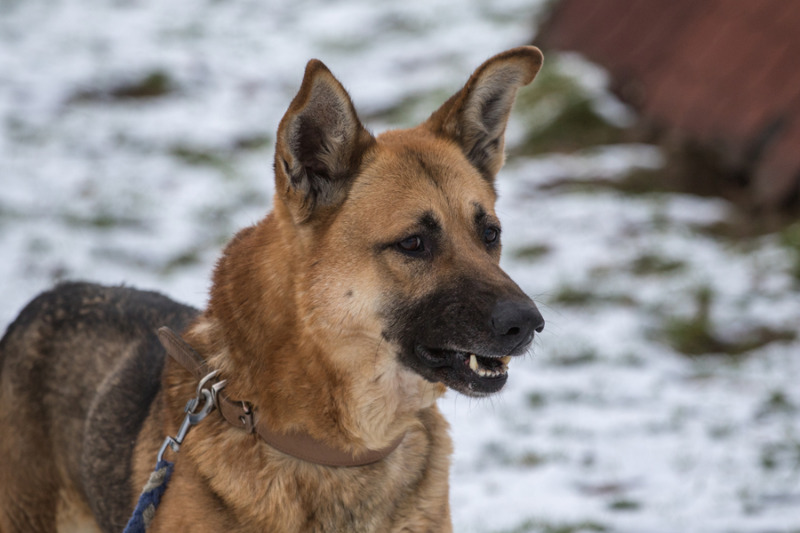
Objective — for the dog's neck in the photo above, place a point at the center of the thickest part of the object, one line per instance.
(317, 383)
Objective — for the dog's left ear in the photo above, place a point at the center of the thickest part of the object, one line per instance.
(320, 145)
(476, 116)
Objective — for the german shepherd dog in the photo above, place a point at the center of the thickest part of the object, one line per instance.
(372, 286)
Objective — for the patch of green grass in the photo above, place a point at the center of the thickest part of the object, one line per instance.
(740, 227)
(790, 239)
(536, 400)
(496, 453)
(577, 126)
(720, 431)
(631, 360)
(727, 230)
(637, 182)
(692, 337)
(351, 44)
(560, 116)
(199, 156)
(695, 335)
(533, 252)
(784, 455)
(187, 258)
(624, 505)
(221, 158)
(776, 403)
(531, 459)
(101, 220)
(584, 356)
(541, 526)
(569, 295)
(653, 264)
(255, 141)
(575, 296)
(154, 84)
(642, 181)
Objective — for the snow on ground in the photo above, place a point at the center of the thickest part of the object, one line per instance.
(605, 427)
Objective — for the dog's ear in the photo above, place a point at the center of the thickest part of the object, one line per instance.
(476, 116)
(320, 145)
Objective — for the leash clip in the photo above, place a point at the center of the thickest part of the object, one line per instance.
(196, 410)
(215, 390)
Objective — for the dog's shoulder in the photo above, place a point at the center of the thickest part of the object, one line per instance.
(80, 306)
(97, 346)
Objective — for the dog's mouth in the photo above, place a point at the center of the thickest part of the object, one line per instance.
(463, 371)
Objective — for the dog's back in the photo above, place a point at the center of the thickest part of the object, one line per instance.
(79, 369)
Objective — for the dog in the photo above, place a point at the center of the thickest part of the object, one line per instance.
(338, 320)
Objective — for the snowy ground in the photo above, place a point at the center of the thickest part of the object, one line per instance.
(606, 427)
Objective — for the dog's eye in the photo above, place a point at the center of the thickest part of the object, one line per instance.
(490, 235)
(412, 244)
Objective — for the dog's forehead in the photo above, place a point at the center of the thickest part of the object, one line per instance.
(409, 174)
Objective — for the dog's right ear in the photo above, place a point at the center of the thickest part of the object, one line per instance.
(476, 116)
(320, 145)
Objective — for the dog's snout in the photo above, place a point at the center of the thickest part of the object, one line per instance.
(514, 322)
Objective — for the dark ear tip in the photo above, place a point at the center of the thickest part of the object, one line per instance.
(315, 67)
(535, 55)
(315, 72)
(533, 52)
(529, 50)
(530, 55)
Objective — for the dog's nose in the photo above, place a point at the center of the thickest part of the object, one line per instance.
(514, 322)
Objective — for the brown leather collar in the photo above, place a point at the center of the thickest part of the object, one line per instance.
(241, 415)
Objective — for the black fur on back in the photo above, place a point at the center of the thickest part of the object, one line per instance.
(85, 364)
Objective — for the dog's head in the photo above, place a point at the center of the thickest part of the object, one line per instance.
(396, 237)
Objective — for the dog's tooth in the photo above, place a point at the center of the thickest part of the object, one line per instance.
(473, 362)
(505, 359)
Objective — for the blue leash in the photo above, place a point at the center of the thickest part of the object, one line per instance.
(150, 498)
(154, 489)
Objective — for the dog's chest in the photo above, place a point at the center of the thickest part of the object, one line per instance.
(406, 492)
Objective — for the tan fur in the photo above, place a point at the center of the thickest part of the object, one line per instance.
(297, 317)
(73, 515)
